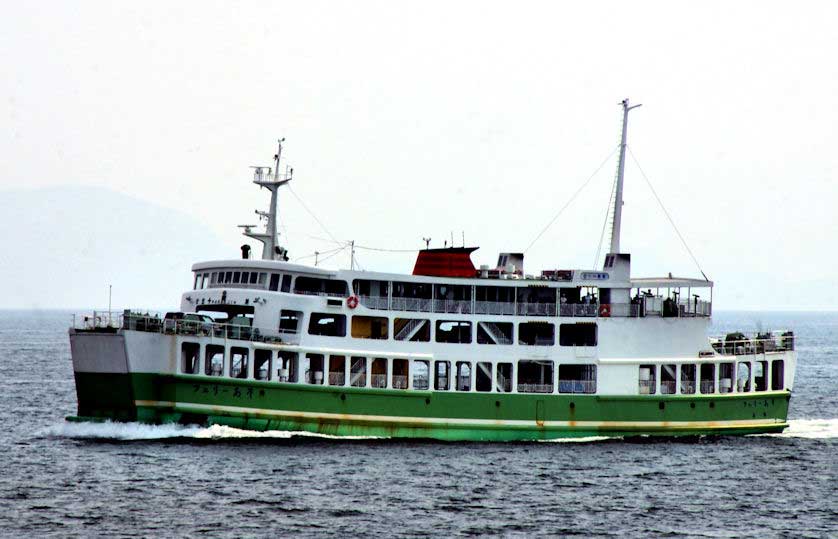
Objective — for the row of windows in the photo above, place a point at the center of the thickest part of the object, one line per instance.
(524, 376)
(444, 331)
(739, 377)
(275, 282)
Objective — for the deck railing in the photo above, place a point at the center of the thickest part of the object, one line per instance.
(535, 388)
(760, 343)
(577, 386)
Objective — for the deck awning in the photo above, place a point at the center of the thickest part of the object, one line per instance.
(670, 282)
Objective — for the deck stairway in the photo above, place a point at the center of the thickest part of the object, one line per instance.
(495, 333)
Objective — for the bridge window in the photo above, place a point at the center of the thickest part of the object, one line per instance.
(535, 376)
(668, 379)
(687, 379)
(442, 375)
(421, 374)
(708, 378)
(369, 327)
(761, 376)
(725, 377)
(483, 376)
(238, 362)
(286, 283)
(494, 333)
(399, 378)
(313, 369)
(327, 324)
(453, 331)
(262, 364)
(743, 377)
(577, 378)
(463, 376)
(214, 360)
(536, 334)
(580, 334)
(504, 377)
(289, 321)
(190, 358)
(647, 379)
(274, 284)
(320, 287)
(378, 373)
(777, 374)
(337, 370)
(358, 372)
(412, 329)
(288, 366)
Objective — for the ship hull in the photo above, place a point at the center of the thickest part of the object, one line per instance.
(347, 411)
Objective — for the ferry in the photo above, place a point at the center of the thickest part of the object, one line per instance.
(449, 352)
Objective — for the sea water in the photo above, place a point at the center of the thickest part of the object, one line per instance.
(60, 479)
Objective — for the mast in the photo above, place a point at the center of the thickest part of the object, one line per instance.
(271, 249)
(618, 194)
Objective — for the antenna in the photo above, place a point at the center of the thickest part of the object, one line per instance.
(618, 192)
(427, 242)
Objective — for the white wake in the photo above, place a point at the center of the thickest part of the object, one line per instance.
(816, 429)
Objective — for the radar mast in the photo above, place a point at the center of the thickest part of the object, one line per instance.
(271, 179)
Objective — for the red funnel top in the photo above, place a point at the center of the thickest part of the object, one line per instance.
(448, 262)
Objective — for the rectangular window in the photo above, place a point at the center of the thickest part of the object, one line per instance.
(286, 283)
(289, 366)
(536, 334)
(320, 287)
(313, 369)
(577, 378)
(504, 377)
(725, 377)
(263, 278)
(228, 277)
(245, 277)
(777, 375)
(274, 284)
(190, 358)
(289, 321)
(214, 360)
(483, 377)
(412, 329)
(358, 372)
(205, 281)
(442, 375)
(687, 379)
(262, 364)
(708, 378)
(399, 378)
(237, 277)
(197, 280)
(369, 327)
(253, 277)
(327, 324)
(453, 331)
(668, 378)
(337, 370)
(421, 374)
(743, 377)
(463, 379)
(647, 379)
(535, 376)
(238, 362)
(761, 376)
(214, 278)
(580, 334)
(378, 373)
(494, 333)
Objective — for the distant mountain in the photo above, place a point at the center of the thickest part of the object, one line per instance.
(63, 246)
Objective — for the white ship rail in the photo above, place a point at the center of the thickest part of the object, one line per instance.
(153, 323)
(734, 344)
(642, 308)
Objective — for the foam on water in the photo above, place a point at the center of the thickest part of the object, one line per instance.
(817, 429)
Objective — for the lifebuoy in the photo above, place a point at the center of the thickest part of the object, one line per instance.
(605, 310)
(352, 302)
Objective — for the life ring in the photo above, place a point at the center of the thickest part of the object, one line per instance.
(605, 310)
(352, 302)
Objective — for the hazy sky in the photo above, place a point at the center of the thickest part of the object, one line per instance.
(408, 120)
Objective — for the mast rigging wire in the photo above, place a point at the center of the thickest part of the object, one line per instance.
(572, 198)
(669, 217)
